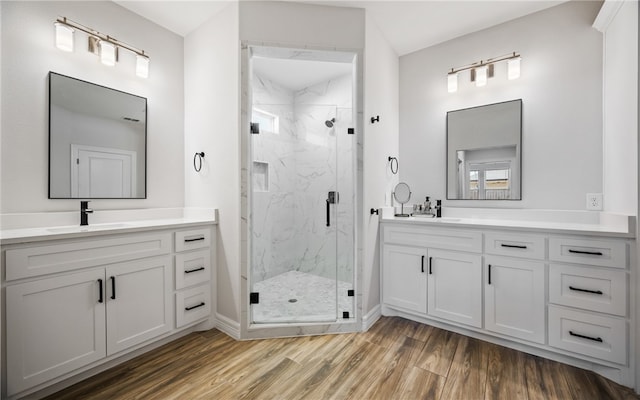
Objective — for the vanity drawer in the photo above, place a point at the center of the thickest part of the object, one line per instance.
(193, 304)
(441, 238)
(41, 260)
(193, 268)
(604, 253)
(593, 289)
(591, 335)
(505, 244)
(192, 239)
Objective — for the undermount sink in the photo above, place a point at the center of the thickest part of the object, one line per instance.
(86, 228)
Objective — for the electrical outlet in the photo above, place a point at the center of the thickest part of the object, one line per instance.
(594, 201)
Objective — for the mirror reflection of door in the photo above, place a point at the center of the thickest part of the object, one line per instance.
(98, 172)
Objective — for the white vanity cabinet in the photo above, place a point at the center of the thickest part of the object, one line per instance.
(514, 285)
(138, 302)
(192, 275)
(588, 297)
(425, 273)
(455, 286)
(54, 326)
(405, 280)
(514, 298)
(74, 303)
(552, 294)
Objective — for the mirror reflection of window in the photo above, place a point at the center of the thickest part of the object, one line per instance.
(487, 173)
(489, 181)
(484, 146)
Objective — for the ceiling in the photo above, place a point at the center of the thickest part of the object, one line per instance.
(407, 25)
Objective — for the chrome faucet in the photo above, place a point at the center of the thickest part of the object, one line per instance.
(84, 212)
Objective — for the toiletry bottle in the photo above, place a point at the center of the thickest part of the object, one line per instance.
(438, 208)
(427, 206)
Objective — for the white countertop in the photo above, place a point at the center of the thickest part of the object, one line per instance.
(611, 225)
(37, 234)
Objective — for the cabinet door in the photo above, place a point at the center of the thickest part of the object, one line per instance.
(404, 279)
(54, 326)
(138, 302)
(514, 298)
(455, 286)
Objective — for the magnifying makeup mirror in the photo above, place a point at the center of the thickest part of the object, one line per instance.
(402, 194)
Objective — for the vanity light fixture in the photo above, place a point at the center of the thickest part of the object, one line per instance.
(142, 65)
(481, 75)
(482, 70)
(105, 46)
(64, 37)
(452, 81)
(513, 68)
(108, 53)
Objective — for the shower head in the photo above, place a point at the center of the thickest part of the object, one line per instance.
(329, 123)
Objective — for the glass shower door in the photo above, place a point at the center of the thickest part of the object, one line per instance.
(294, 214)
(302, 186)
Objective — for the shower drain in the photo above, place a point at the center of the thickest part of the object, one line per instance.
(292, 300)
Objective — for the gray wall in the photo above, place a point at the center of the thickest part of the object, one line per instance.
(561, 90)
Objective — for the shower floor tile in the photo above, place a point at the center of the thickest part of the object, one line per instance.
(301, 297)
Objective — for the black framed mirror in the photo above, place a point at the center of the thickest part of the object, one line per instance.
(484, 148)
(97, 141)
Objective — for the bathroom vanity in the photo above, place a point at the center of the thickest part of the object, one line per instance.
(560, 290)
(80, 297)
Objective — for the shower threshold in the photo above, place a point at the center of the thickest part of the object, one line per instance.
(300, 297)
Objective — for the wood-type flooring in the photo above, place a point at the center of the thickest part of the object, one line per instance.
(395, 359)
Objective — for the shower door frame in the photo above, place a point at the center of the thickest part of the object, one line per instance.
(249, 330)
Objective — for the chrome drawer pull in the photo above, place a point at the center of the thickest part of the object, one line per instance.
(194, 239)
(591, 253)
(194, 270)
(513, 246)
(597, 339)
(585, 290)
(193, 307)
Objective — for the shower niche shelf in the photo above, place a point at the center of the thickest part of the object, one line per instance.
(260, 176)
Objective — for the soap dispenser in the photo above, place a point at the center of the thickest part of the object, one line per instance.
(427, 205)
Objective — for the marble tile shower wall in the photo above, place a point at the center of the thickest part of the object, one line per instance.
(306, 160)
(273, 239)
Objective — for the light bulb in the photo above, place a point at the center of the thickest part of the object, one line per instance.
(64, 37)
(513, 68)
(107, 53)
(481, 76)
(142, 66)
(452, 82)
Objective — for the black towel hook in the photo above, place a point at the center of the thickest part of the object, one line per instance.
(198, 157)
(375, 119)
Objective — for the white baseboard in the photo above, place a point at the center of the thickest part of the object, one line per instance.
(228, 326)
(371, 317)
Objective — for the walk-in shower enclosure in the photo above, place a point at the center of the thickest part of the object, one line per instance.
(301, 187)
